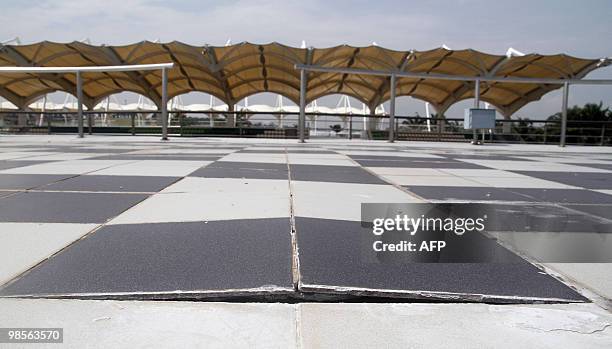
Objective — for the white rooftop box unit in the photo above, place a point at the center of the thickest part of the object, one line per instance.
(475, 118)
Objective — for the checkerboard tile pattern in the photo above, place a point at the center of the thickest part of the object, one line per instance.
(209, 217)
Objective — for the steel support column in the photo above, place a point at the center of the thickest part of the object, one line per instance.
(392, 109)
(564, 114)
(79, 93)
(476, 105)
(302, 119)
(164, 105)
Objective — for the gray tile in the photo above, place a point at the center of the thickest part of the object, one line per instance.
(20, 146)
(27, 181)
(589, 180)
(65, 207)
(160, 157)
(112, 183)
(6, 193)
(341, 261)
(288, 150)
(604, 211)
(6, 164)
(87, 150)
(576, 196)
(213, 256)
(541, 217)
(417, 163)
(375, 157)
(600, 166)
(227, 169)
(480, 157)
(466, 193)
(339, 174)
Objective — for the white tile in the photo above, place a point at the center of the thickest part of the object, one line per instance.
(127, 147)
(23, 245)
(353, 147)
(293, 158)
(327, 162)
(444, 181)
(342, 200)
(67, 167)
(195, 199)
(186, 151)
(453, 326)
(264, 149)
(320, 159)
(301, 156)
(150, 324)
(403, 154)
(532, 166)
(547, 246)
(170, 168)
(595, 276)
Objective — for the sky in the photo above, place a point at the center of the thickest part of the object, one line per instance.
(579, 28)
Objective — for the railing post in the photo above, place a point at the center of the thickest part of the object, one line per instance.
(48, 117)
(89, 123)
(164, 105)
(302, 118)
(133, 118)
(392, 109)
(396, 132)
(350, 127)
(79, 92)
(476, 105)
(181, 118)
(564, 114)
(603, 134)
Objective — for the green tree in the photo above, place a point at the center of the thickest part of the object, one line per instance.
(584, 124)
(526, 131)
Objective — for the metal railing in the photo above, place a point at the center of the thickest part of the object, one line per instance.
(284, 125)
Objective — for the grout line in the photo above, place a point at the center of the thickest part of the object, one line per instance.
(295, 255)
(298, 324)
